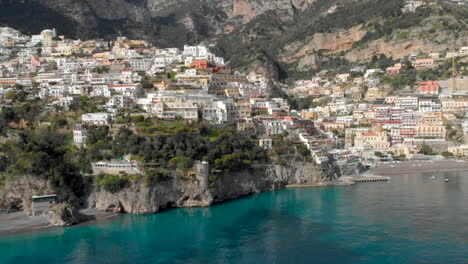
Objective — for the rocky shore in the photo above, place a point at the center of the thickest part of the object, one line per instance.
(200, 190)
(19, 222)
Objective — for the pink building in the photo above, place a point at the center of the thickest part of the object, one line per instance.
(424, 63)
(429, 87)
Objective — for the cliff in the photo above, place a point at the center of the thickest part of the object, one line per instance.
(141, 197)
(201, 190)
(16, 193)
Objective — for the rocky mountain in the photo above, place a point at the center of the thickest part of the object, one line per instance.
(284, 38)
(164, 22)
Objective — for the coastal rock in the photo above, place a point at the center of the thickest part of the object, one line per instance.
(141, 199)
(63, 215)
(203, 190)
(16, 192)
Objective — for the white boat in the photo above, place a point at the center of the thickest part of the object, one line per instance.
(446, 180)
(433, 177)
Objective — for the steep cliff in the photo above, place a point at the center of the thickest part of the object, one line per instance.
(140, 197)
(164, 22)
(16, 193)
(201, 190)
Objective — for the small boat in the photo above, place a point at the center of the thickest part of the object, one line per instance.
(433, 178)
(446, 180)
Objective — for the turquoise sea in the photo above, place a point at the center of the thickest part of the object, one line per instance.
(412, 219)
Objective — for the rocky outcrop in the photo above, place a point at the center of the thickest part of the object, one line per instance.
(141, 199)
(149, 19)
(64, 215)
(202, 190)
(181, 190)
(16, 193)
(329, 43)
(305, 53)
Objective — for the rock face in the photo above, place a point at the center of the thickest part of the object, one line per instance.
(63, 215)
(141, 199)
(16, 193)
(203, 190)
(143, 18)
(325, 43)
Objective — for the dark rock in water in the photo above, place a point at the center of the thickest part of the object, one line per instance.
(64, 215)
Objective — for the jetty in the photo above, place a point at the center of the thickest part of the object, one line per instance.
(371, 179)
(343, 181)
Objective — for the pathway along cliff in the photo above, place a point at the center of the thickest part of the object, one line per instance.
(202, 188)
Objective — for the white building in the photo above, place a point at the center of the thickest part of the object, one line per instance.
(79, 135)
(408, 102)
(141, 64)
(274, 127)
(119, 101)
(266, 143)
(348, 120)
(98, 118)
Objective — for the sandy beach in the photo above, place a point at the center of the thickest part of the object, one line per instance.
(19, 222)
(413, 167)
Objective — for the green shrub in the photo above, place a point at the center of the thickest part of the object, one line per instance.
(153, 176)
(110, 182)
(447, 154)
(181, 162)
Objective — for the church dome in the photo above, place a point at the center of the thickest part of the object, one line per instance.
(378, 129)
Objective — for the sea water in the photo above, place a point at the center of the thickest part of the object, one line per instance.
(411, 219)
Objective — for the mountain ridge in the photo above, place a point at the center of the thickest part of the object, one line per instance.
(281, 37)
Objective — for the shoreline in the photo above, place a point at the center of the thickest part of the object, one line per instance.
(416, 167)
(19, 223)
(320, 184)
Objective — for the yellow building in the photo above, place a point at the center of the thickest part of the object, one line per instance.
(430, 131)
(432, 118)
(455, 105)
(308, 114)
(243, 109)
(329, 126)
(373, 94)
(459, 151)
(232, 93)
(378, 139)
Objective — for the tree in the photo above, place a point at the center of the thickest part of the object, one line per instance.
(153, 176)
(97, 133)
(303, 150)
(111, 183)
(447, 154)
(426, 150)
(59, 122)
(147, 84)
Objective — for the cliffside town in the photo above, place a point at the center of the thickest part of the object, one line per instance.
(286, 39)
(123, 125)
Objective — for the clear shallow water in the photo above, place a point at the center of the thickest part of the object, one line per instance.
(412, 219)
